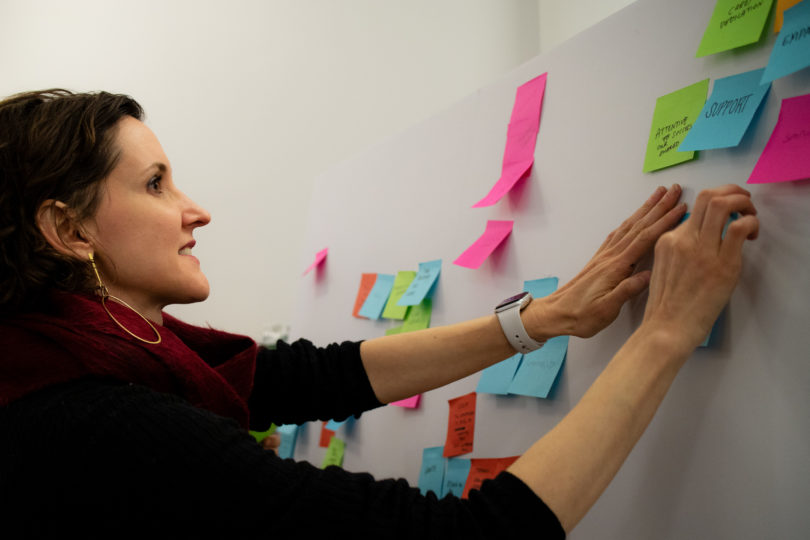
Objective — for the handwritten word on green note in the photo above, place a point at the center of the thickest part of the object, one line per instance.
(673, 118)
(734, 23)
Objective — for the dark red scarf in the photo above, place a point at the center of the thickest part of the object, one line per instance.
(76, 338)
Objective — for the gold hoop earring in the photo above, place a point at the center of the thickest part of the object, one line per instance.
(105, 294)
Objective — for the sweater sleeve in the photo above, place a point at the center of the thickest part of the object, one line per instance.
(299, 382)
(124, 461)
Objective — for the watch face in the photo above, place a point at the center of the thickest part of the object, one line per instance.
(511, 300)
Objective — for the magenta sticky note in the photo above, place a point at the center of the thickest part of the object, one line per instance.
(319, 258)
(495, 233)
(521, 137)
(410, 403)
(787, 155)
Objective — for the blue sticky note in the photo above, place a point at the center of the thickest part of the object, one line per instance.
(375, 302)
(431, 475)
(497, 378)
(539, 369)
(334, 425)
(455, 476)
(288, 433)
(539, 288)
(422, 283)
(727, 113)
(791, 52)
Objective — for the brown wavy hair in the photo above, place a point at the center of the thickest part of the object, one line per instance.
(60, 145)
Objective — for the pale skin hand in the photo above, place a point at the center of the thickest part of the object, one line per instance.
(403, 365)
(692, 279)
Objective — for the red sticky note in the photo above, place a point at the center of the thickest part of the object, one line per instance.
(326, 436)
(460, 426)
(495, 233)
(521, 137)
(483, 469)
(786, 156)
(319, 258)
(366, 284)
(410, 403)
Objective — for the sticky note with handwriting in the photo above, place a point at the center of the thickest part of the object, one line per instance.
(374, 304)
(455, 476)
(791, 52)
(431, 474)
(727, 113)
(423, 283)
(786, 156)
(401, 284)
(460, 425)
(673, 117)
(485, 469)
(734, 24)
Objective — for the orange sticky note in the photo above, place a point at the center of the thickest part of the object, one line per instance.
(779, 17)
(483, 469)
(460, 426)
(366, 284)
(326, 436)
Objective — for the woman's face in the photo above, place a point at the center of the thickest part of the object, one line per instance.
(142, 230)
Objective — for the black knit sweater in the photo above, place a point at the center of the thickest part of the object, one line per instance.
(102, 458)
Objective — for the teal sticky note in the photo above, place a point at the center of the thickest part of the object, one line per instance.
(374, 304)
(538, 369)
(431, 475)
(497, 378)
(289, 434)
(333, 425)
(727, 113)
(791, 52)
(422, 284)
(455, 476)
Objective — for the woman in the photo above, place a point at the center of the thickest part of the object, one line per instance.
(119, 419)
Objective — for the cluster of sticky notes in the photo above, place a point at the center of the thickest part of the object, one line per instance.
(391, 296)
(532, 374)
(684, 121)
(457, 476)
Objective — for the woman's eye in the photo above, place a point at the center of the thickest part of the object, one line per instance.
(154, 184)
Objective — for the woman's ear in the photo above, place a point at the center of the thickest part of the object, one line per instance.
(61, 231)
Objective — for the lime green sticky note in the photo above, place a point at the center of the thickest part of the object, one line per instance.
(673, 117)
(259, 435)
(401, 284)
(418, 317)
(734, 23)
(334, 453)
(395, 330)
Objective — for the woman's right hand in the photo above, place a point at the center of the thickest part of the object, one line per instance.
(696, 268)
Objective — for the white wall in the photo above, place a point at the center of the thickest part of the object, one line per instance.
(253, 99)
(561, 19)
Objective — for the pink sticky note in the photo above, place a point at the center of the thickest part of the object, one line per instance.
(411, 402)
(494, 234)
(787, 155)
(521, 137)
(319, 258)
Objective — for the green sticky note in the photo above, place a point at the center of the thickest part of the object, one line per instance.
(418, 317)
(334, 453)
(259, 435)
(734, 23)
(395, 330)
(673, 117)
(401, 284)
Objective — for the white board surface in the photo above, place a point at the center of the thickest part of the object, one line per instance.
(728, 454)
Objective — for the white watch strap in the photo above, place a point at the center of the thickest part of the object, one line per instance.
(515, 332)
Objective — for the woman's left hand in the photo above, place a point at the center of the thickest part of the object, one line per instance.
(593, 298)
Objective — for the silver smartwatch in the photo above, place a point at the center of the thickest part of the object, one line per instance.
(508, 312)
